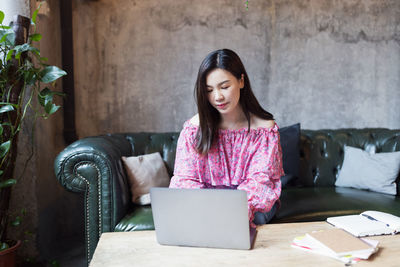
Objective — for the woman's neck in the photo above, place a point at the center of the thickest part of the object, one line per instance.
(233, 121)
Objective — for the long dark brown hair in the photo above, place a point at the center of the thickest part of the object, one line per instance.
(209, 117)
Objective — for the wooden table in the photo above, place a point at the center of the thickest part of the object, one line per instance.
(272, 248)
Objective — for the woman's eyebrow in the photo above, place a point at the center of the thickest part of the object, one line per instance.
(219, 83)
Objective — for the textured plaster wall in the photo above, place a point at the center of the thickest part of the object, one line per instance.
(14, 7)
(324, 63)
(60, 216)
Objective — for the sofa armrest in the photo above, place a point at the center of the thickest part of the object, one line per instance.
(92, 166)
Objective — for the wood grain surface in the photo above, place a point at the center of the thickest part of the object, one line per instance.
(271, 248)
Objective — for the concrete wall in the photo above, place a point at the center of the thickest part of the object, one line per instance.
(326, 64)
(14, 7)
(60, 216)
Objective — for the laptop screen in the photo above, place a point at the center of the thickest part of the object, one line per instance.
(201, 217)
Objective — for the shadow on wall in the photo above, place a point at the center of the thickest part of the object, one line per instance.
(67, 231)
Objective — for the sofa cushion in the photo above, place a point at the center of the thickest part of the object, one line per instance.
(376, 172)
(141, 218)
(297, 205)
(318, 203)
(290, 143)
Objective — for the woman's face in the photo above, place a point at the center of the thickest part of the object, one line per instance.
(223, 90)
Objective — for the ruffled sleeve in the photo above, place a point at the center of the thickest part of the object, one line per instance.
(262, 182)
(186, 159)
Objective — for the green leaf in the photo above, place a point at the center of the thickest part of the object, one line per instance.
(4, 33)
(50, 108)
(17, 221)
(4, 147)
(34, 15)
(7, 37)
(51, 73)
(19, 49)
(10, 40)
(8, 103)
(30, 78)
(7, 124)
(54, 109)
(1, 172)
(1, 132)
(43, 96)
(28, 233)
(3, 36)
(8, 183)
(1, 16)
(55, 263)
(36, 37)
(3, 246)
(6, 108)
(9, 54)
(47, 91)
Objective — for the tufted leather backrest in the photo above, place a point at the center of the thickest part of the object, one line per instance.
(146, 143)
(321, 151)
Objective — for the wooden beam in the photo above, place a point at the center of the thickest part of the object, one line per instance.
(68, 65)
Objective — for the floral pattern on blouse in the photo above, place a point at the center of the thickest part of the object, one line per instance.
(250, 161)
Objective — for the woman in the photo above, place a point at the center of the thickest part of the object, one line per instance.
(232, 142)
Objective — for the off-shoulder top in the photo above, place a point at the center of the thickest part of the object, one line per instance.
(250, 161)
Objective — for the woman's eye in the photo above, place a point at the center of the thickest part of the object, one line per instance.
(209, 91)
(224, 87)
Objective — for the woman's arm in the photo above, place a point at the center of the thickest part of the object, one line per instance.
(186, 160)
(262, 182)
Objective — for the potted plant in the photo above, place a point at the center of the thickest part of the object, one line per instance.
(23, 74)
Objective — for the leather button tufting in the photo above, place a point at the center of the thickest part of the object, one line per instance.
(324, 153)
(314, 172)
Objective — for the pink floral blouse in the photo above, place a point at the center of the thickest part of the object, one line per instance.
(239, 160)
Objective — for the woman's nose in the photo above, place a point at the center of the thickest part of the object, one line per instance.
(218, 96)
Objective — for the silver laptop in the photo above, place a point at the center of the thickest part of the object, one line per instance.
(216, 218)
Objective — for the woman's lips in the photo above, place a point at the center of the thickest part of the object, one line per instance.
(222, 106)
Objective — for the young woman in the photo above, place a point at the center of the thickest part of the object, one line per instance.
(232, 142)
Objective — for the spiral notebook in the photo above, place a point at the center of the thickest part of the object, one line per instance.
(368, 223)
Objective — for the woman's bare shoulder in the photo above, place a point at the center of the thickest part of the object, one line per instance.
(195, 120)
(262, 123)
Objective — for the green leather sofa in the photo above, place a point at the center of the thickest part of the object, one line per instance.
(92, 166)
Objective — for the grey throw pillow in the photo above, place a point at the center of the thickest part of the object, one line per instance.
(375, 172)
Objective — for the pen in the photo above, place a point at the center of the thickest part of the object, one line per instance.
(369, 217)
(373, 219)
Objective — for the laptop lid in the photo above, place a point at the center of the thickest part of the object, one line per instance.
(201, 217)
